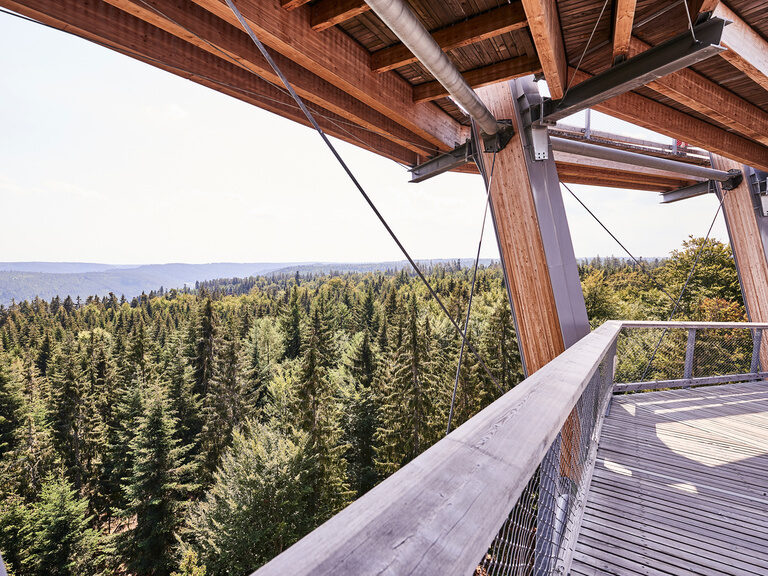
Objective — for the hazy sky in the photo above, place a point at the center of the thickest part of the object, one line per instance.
(106, 159)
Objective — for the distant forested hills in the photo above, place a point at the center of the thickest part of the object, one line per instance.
(27, 280)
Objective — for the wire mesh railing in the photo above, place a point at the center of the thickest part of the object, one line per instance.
(538, 536)
(652, 356)
(504, 493)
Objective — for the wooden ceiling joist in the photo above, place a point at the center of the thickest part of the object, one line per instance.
(623, 20)
(327, 13)
(544, 23)
(293, 4)
(610, 178)
(504, 19)
(190, 22)
(340, 60)
(106, 25)
(479, 77)
(747, 50)
(653, 115)
(706, 97)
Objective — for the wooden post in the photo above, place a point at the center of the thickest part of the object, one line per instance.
(534, 241)
(520, 242)
(746, 242)
(748, 250)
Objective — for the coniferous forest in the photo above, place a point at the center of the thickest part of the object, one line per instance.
(201, 432)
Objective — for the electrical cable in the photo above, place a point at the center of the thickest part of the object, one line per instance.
(354, 180)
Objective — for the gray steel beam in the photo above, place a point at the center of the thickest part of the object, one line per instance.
(670, 56)
(553, 224)
(686, 192)
(637, 159)
(443, 163)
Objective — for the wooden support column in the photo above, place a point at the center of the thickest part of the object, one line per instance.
(534, 242)
(746, 242)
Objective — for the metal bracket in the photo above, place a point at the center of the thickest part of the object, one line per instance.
(499, 141)
(733, 182)
(686, 192)
(462, 154)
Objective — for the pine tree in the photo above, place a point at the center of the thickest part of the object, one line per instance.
(291, 324)
(14, 520)
(69, 425)
(408, 389)
(256, 505)
(256, 373)
(202, 337)
(361, 415)
(155, 492)
(185, 404)
(224, 407)
(58, 539)
(319, 419)
(10, 407)
(34, 456)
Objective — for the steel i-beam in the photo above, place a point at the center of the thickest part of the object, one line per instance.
(666, 58)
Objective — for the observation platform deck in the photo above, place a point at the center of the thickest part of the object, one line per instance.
(680, 485)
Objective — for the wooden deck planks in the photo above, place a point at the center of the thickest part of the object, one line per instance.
(680, 485)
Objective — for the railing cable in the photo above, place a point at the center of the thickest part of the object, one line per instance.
(354, 180)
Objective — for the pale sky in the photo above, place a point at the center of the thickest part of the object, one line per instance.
(106, 159)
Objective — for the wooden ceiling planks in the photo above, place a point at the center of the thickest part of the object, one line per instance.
(332, 49)
(132, 36)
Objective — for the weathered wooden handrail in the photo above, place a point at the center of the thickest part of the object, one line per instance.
(690, 324)
(438, 514)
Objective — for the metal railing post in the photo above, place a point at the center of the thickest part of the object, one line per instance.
(757, 341)
(689, 349)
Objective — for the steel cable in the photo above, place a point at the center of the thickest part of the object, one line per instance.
(355, 181)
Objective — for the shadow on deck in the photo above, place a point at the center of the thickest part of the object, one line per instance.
(680, 485)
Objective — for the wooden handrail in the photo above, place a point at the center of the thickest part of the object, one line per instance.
(439, 513)
(688, 325)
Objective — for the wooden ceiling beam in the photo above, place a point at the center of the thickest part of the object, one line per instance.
(488, 25)
(106, 25)
(479, 77)
(190, 22)
(655, 116)
(747, 50)
(623, 20)
(292, 4)
(544, 23)
(327, 13)
(595, 176)
(706, 97)
(340, 60)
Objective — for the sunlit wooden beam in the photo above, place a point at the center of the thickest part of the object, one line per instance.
(339, 59)
(747, 50)
(123, 32)
(623, 19)
(544, 23)
(706, 97)
(327, 13)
